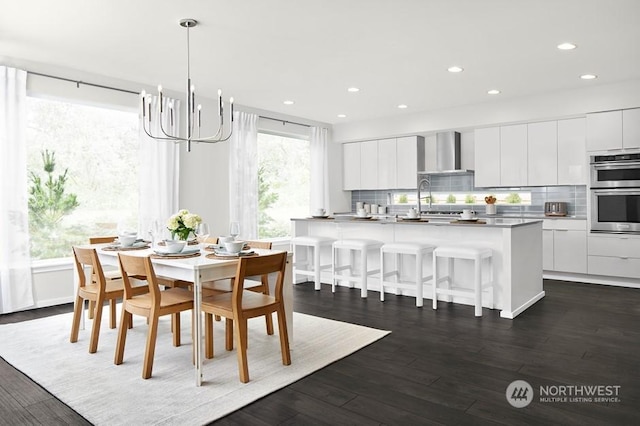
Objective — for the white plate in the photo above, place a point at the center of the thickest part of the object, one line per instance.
(223, 253)
(362, 217)
(324, 216)
(182, 253)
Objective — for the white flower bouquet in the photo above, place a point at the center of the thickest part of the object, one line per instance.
(183, 224)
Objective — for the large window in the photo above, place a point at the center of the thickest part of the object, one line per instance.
(283, 179)
(83, 173)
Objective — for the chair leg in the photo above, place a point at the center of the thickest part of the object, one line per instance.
(75, 324)
(284, 337)
(208, 335)
(241, 341)
(150, 347)
(217, 317)
(95, 328)
(228, 333)
(176, 328)
(112, 313)
(125, 320)
(92, 307)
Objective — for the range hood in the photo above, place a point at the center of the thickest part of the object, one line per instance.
(447, 155)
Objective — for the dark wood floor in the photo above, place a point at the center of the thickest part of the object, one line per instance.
(442, 367)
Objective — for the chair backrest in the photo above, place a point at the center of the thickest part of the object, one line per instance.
(88, 258)
(101, 240)
(259, 265)
(141, 268)
(260, 244)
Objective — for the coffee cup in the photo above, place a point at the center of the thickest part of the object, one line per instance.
(467, 214)
(361, 212)
(224, 239)
(412, 213)
(359, 205)
(127, 240)
(319, 212)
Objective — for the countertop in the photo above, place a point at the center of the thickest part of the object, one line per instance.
(442, 220)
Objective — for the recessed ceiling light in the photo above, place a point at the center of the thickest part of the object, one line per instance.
(353, 89)
(288, 102)
(342, 115)
(493, 92)
(455, 68)
(567, 46)
(402, 106)
(588, 76)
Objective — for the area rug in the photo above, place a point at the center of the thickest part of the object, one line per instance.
(108, 394)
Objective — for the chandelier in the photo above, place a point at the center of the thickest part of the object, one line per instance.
(193, 115)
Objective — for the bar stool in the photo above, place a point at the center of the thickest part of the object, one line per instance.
(311, 265)
(477, 255)
(353, 246)
(419, 250)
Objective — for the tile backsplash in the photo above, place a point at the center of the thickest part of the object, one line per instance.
(574, 195)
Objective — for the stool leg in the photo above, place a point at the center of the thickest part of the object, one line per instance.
(451, 279)
(419, 296)
(396, 276)
(478, 286)
(363, 275)
(316, 266)
(334, 263)
(352, 261)
(295, 262)
(434, 287)
(381, 275)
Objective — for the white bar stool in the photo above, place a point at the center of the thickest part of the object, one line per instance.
(311, 266)
(477, 255)
(419, 250)
(354, 246)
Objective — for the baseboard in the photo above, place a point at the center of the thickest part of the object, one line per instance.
(522, 308)
(53, 302)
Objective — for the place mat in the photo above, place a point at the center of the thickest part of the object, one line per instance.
(215, 256)
(183, 256)
(117, 248)
(479, 221)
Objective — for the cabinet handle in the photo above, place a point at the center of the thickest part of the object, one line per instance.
(624, 257)
(563, 230)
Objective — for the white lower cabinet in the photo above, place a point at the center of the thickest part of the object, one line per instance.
(565, 245)
(614, 255)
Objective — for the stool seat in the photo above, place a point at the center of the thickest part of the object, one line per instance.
(409, 248)
(463, 252)
(311, 265)
(417, 249)
(363, 246)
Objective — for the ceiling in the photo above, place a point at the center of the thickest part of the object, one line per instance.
(395, 51)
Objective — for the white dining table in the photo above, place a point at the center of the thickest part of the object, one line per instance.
(198, 270)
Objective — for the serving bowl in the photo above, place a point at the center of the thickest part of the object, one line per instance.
(127, 240)
(233, 246)
(174, 246)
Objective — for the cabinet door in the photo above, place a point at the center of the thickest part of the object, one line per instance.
(406, 162)
(604, 131)
(350, 166)
(631, 128)
(487, 157)
(547, 249)
(386, 164)
(513, 155)
(570, 251)
(369, 165)
(542, 149)
(572, 158)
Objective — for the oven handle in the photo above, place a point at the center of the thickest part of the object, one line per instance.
(615, 166)
(631, 191)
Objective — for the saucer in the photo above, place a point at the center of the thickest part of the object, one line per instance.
(324, 216)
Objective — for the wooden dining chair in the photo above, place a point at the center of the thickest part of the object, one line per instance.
(109, 274)
(240, 305)
(257, 284)
(152, 306)
(96, 292)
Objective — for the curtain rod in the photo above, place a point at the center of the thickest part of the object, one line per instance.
(284, 121)
(78, 83)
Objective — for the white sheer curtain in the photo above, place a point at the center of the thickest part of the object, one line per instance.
(159, 169)
(243, 174)
(318, 147)
(16, 286)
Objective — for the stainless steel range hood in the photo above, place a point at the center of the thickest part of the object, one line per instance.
(447, 155)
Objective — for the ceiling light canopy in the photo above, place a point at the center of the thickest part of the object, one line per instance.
(493, 92)
(342, 116)
(566, 46)
(353, 89)
(588, 76)
(194, 113)
(288, 102)
(455, 69)
(403, 106)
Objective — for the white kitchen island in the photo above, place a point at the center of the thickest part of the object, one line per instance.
(516, 245)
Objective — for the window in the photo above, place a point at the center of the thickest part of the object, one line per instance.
(283, 183)
(98, 149)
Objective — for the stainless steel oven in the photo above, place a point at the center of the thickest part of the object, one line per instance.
(615, 192)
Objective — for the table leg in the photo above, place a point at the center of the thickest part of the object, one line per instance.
(197, 343)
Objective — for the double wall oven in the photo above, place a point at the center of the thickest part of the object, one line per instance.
(615, 192)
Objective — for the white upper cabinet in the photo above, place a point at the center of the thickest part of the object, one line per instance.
(487, 157)
(407, 161)
(387, 164)
(542, 159)
(369, 165)
(604, 131)
(631, 128)
(513, 155)
(572, 158)
(351, 166)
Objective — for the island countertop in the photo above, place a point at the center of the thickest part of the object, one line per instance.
(497, 222)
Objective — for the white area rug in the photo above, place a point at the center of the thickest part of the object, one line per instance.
(108, 394)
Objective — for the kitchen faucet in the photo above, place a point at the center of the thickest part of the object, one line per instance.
(427, 180)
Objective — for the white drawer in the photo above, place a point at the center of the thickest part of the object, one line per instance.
(565, 224)
(614, 266)
(614, 246)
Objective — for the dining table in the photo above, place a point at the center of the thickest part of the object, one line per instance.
(199, 269)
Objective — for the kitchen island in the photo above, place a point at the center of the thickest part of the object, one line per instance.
(516, 246)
